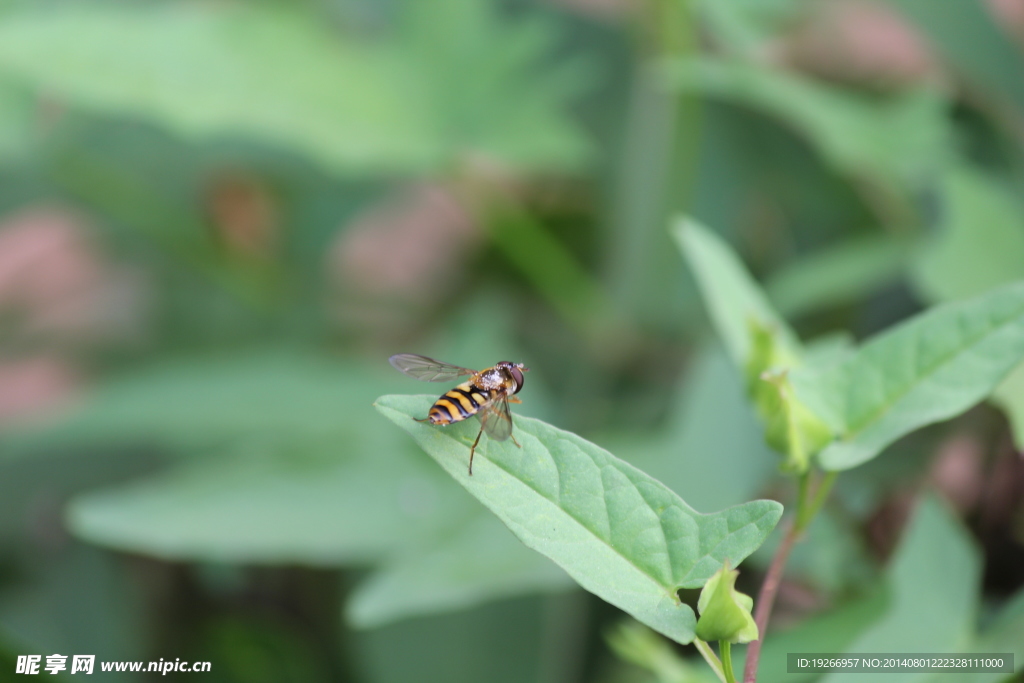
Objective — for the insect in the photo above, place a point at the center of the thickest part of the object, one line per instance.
(488, 392)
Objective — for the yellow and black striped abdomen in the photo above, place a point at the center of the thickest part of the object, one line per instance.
(456, 405)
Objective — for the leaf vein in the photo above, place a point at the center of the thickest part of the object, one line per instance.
(607, 542)
(923, 375)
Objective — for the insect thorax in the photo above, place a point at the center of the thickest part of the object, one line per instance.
(491, 379)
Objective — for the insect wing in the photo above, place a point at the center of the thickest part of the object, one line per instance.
(427, 369)
(496, 418)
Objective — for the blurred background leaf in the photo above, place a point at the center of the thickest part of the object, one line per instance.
(1002, 634)
(298, 505)
(897, 140)
(478, 562)
(979, 242)
(892, 611)
(217, 221)
(965, 34)
(734, 299)
(838, 275)
(746, 26)
(280, 76)
(918, 603)
(933, 584)
(538, 638)
(712, 452)
(16, 122)
(203, 401)
(979, 245)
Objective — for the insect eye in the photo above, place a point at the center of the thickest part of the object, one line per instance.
(517, 375)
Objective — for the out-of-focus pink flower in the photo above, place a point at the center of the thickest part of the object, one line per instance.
(405, 248)
(31, 386)
(860, 40)
(57, 295)
(958, 471)
(50, 277)
(1010, 15)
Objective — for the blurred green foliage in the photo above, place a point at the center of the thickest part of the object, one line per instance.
(270, 73)
(217, 221)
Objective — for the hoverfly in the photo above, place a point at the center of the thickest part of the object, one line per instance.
(487, 392)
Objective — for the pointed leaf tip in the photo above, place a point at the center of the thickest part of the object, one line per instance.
(616, 531)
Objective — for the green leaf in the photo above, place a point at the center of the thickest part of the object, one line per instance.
(760, 342)
(745, 25)
(503, 642)
(711, 414)
(308, 504)
(837, 275)
(927, 369)
(489, 84)
(979, 245)
(933, 582)
(277, 75)
(1010, 397)
(639, 645)
(927, 601)
(979, 242)
(734, 300)
(1005, 633)
(17, 115)
(272, 75)
(829, 632)
(619, 533)
(552, 269)
(898, 140)
(204, 400)
(483, 561)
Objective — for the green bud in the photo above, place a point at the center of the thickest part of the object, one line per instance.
(790, 427)
(724, 611)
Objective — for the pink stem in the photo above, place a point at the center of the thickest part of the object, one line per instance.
(765, 600)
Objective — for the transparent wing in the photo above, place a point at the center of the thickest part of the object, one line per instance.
(427, 369)
(496, 418)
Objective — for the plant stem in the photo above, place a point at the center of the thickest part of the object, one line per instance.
(712, 659)
(766, 599)
(820, 495)
(803, 500)
(726, 649)
(807, 507)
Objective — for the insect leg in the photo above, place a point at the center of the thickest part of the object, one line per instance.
(472, 449)
(422, 419)
(515, 442)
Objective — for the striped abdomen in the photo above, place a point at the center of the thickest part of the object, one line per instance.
(456, 405)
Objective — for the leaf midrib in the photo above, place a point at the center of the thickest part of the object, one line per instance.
(670, 589)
